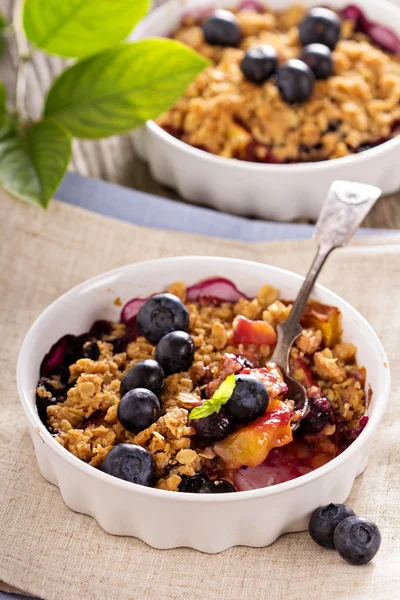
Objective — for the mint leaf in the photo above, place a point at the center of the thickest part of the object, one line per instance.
(205, 410)
(122, 88)
(33, 160)
(225, 390)
(3, 112)
(79, 28)
(214, 404)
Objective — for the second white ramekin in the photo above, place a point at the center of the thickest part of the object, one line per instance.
(280, 192)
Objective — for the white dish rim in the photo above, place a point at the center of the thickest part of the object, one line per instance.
(39, 428)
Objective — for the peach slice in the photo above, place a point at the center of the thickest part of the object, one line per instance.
(247, 332)
(301, 371)
(326, 318)
(238, 137)
(250, 445)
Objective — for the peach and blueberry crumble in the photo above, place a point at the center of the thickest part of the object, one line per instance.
(181, 394)
(288, 86)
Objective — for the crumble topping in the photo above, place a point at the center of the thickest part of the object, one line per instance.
(83, 414)
(223, 113)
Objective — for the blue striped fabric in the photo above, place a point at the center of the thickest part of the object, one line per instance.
(152, 211)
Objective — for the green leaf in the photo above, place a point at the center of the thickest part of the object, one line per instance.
(122, 88)
(33, 161)
(3, 25)
(225, 390)
(3, 111)
(214, 404)
(79, 28)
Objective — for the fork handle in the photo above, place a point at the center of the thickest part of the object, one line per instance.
(290, 329)
(346, 206)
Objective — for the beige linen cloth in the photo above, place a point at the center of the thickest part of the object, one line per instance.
(51, 552)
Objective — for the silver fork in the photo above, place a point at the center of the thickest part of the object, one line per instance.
(346, 206)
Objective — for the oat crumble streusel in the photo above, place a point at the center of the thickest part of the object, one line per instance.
(78, 393)
(225, 114)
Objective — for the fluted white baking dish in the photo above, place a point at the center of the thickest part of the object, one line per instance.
(165, 519)
(281, 192)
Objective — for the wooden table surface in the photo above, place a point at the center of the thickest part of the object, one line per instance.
(113, 159)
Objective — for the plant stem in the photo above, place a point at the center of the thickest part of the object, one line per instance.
(23, 58)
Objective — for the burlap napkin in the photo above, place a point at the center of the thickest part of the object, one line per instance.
(49, 551)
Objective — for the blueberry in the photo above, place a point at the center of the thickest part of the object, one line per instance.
(100, 328)
(91, 350)
(295, 81)
(217, 486)
(259, 63)
(160, 315)
(192, 485)
(357, 540)
(118, 344)
(319, 58)
(58, 395)
(213, 428)
(249, 399)
(145, 374)
(74, 348)
(222, 29)
(42, 405)
(320, 26)
(175, 352)
(318, 416)
(64, 375)
(57, 390)
(324, 521)
(132, 463)
(138, 409)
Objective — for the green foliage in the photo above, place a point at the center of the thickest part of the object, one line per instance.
(3, 113)
(122, 88)
(3, 25)
(111, 89)
(34, 160)
(79, 28)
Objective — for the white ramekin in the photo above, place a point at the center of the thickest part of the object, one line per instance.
(281, 192)
(166, 519)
